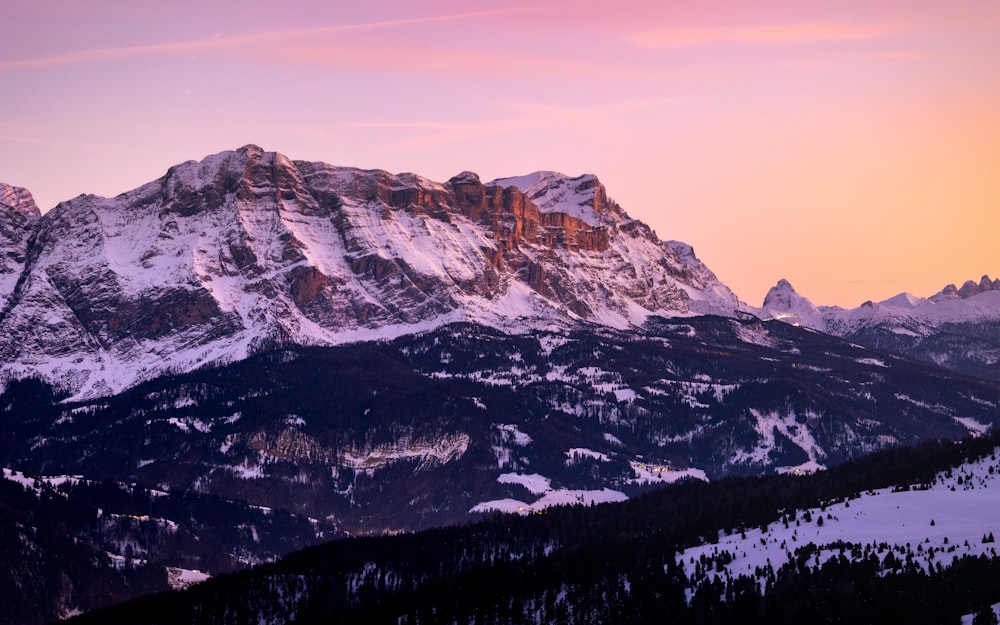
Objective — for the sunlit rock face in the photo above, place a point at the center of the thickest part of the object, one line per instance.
(247, 250)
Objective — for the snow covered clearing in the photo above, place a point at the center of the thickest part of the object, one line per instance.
(182, 578)
(953, 517)
(662, 474)
(576, 453)
(790, 425)
(535, 483)
(558, 497)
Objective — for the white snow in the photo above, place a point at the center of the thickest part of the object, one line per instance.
(871, 361)
(975, 427)
(968, 618)
(553, 192)
(903, 314)
(535, 483)
(651, 473)
(582, 452)
(241, 255)
(429, 452)
(791, 426)
(559, 497)
(807, 467)
(614, 440)
(952, 516)
(182, 578)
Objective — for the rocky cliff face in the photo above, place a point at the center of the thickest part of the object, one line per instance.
(969, 289)
(249, 249)
(18, 218)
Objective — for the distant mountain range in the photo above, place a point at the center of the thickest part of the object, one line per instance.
(956, 328)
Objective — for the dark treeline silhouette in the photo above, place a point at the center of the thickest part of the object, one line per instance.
(613, 563)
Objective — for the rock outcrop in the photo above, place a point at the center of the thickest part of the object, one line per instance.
(969, 289)
(18, 219)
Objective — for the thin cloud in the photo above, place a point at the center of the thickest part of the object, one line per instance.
(389, 125)
(900, 56)
(70, 144)
(525, 116)
(766, 35)
(215, 43)
(409, 58)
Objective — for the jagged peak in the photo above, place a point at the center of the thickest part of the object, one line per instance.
(251, 150)
(581, 196)
(466, 177)
(19, 200)
(969, 288)
(782, 299)
(780, 294)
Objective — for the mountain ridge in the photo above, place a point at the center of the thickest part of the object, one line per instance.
(954, 328)
(244, 249)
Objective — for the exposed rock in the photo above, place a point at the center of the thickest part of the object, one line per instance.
(19, 200)
(18, 223)
(969, 289)
(248, 249)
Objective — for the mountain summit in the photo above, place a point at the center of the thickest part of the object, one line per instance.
(249, 249)
(19, 200)
(784, 303)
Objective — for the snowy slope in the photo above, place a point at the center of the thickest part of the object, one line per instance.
(928, 524)
(553, 192)
(249, 249)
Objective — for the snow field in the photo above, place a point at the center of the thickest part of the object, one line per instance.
(933, 525)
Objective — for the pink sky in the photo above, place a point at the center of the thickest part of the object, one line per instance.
(850, 147)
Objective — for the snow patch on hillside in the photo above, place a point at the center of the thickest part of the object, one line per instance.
(646, 473)
(535, 483)
(791, 426)
(932, 524)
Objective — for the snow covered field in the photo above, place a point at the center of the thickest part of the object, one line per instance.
(955, 516)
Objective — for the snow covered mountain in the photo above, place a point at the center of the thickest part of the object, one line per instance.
(957, 328)
(248, 249)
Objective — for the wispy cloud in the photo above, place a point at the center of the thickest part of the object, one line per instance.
(98, 55)
(523, 116)
(63, 143)
(758, 35)
(900, 55)
(442, 58)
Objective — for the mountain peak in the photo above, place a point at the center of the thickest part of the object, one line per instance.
(970, 288)
(783, 297)
(251, 150)
(18, 199)
(582, 196)
(247, 249)
(903, 300)
(784, 303)
(466, 177)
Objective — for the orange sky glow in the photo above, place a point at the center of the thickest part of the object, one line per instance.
(850, 147)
